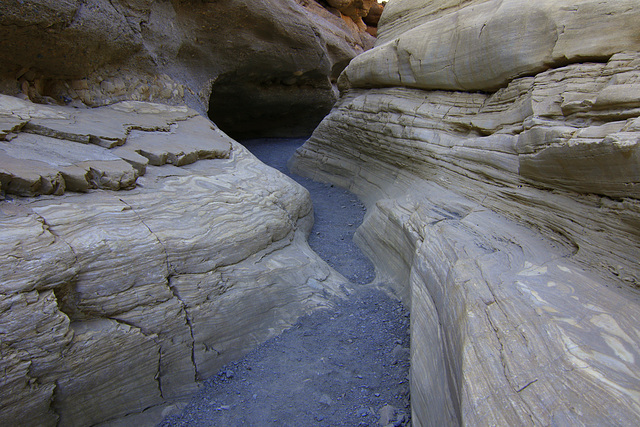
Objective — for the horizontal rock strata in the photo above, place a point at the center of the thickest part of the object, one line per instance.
(53, 149)
(508, 219)
(116, 304)
(482, 45)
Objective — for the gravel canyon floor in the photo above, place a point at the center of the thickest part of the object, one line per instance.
(342, 367)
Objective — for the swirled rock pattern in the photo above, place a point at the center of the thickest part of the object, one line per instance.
(508, 219)
(114, 305)
(482, 45)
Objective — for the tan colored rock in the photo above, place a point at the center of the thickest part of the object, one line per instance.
(77, 166)
(188, 141)
(373, 16)
(9, 125)
(181, 52)
(354, 9)
(116, 305)
(28, 353)
(108, 126)
(508, 221)
(26, 177)
(482, 45)
(57, 149)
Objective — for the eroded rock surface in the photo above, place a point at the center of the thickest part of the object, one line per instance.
(365, 14)
(508, 219)
(116, 304)
(482, 45)
(258, 67)
(53, 149)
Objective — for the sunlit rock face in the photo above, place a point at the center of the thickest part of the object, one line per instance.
(140, 250)
(206, 54)
(501, 173)
(484, 44)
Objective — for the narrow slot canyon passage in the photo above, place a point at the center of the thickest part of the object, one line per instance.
(345, 366)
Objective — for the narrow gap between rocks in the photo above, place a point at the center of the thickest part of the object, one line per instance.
(347, 366)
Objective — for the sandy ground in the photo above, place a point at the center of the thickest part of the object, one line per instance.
(347, 366)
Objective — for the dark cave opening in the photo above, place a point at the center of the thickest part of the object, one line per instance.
(281, 105)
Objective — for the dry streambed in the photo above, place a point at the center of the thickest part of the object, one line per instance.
(346, 366)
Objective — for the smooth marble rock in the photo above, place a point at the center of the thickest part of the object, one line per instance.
(507, 328)
(482, 45)
(115, 304)
(508, 221)
(543, 166)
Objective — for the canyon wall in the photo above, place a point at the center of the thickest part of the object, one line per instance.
(496, 146)
(258, 67)
(140, 250)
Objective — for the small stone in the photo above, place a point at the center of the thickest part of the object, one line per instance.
(387, 414)
(325, 400)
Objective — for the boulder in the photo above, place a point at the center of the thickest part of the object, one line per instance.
(354, 9)
(506, 218)
(482, 45)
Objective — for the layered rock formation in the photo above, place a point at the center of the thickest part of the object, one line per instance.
(364, 14)
(258, 67)
(116, 304)
(501, 175)
(140, 247)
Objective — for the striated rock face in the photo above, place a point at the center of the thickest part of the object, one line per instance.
(482, 45)
(258, 67)
(115, 304)
(509, 218)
